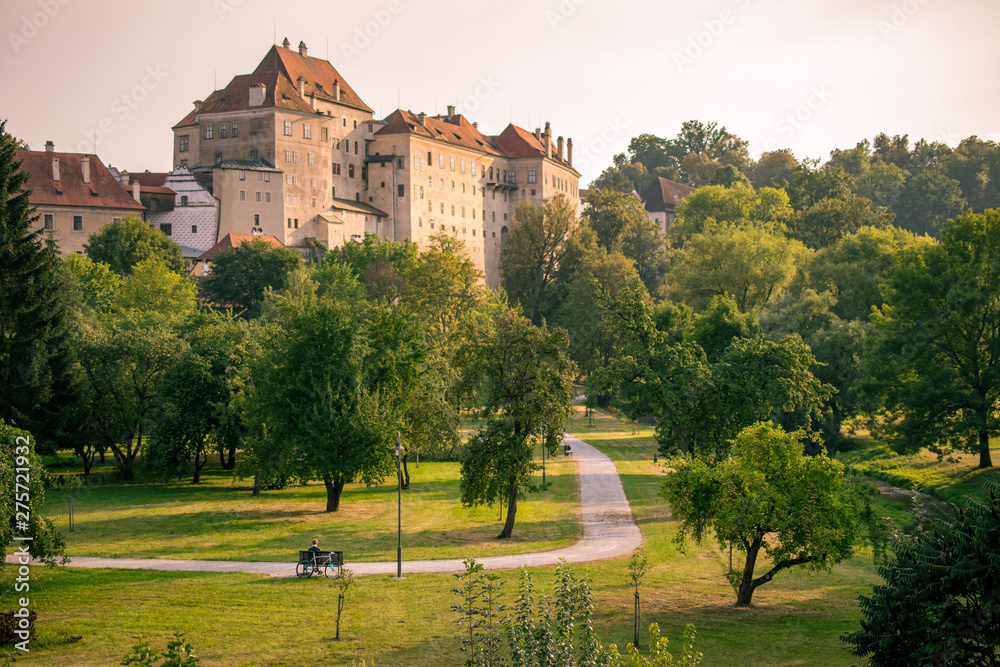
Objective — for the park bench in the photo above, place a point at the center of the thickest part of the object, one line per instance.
(314, 562)
(567, 450)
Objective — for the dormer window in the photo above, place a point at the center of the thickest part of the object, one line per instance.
(184, 200)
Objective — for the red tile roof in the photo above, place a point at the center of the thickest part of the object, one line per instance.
(513, 142)
(234, 241)
(103, 191)
(454, 130)
(148, 178)
(319, 74)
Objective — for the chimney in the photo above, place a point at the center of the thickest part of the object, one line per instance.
(475, 124)
(198, 104)
(85, 167)
(55, 169)
(303, 51)
(302, 87)
(561, 146)
(569, 152)
(538, 134)
(49, 147)
(286, 43)
(135, 191)
(422, 117)
(451, 110)
(312, 101)
(548, 140)
(258, 93)
(336, 90)
(123, 178)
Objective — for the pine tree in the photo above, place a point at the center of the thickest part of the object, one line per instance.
(33, 322)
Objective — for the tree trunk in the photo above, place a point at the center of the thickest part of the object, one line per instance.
(101, 451)
(406, 473)
(222, 459)
(198, 465)
(257, 484)
(231, 461)
(985, 460)
(745, 592)
(333, 490)
(508, 526)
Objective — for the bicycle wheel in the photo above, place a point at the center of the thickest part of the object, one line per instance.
(328, 570)
(300, 570)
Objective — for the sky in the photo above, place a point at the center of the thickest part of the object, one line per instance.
(809, 76)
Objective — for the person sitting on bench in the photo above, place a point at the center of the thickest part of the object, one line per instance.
(315, 546)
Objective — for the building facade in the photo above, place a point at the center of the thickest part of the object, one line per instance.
(74, 195)
(344, 174)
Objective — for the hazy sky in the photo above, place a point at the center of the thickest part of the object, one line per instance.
(800, 74)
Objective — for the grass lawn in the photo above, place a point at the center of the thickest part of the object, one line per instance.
(218, 519)
(954, 480)
(243, 619)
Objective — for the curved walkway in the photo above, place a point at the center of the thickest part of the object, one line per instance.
(608, 531)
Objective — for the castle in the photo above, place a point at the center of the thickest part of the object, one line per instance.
(295, 153)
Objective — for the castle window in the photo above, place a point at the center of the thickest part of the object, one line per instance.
(307, 131)
(49, 224)
(184, 200)
(288, 128)
(166, 228)
(267, 197)
(532, 176)
(194, 229)
(236, 131)
(311, 159)
(223, 131)
(325, 133)
(243, 195)
(243, 175)
(208, 131)
(184, 143)
(257, 197)
(402, 190)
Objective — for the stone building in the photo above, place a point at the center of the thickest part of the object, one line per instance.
(343, 174)
(75, 195)
(661, 200)
(191, 216)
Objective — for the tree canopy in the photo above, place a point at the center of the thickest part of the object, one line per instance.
(123, 245)
(240, 276)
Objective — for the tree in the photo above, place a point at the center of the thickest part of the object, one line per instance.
(33, 321)
(92, 284)
(829, 220)
(197, 412)
(121, 246)
(240, 276)
(124, 364)
(774, 169)
(382, 266)
(935, 361)
(20, 508)
(328, 397)
(749, 264)
(623, 176)
(767, 496)
(938, 603)
(928, 200)
(642, 241)
(533, 252)
(729, 207)
(610, 212)
(604, 281)
(152, 288)
(521, 374)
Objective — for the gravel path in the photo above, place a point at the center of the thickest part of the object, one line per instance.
(608, 531)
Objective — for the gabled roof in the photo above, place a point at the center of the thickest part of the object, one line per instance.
(279, 72)
(103, 191)
(664, 195)
(452, 129)
(148, 178)
(320, 76)
(518, 142)
(235, 241)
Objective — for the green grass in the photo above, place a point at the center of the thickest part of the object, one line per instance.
(242, 619)
(218, 519)
(955, 480)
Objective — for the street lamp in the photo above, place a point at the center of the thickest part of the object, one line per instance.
(399, 507)
(544, 447)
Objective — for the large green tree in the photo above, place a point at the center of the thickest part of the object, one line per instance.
(533, 252)
(609, 213)
(767, 498)
(521, 374)
(33, 321)
(328, 398)
(121, 246)
(935, 361)
(749, 264)
(240, 276)
(939, 603)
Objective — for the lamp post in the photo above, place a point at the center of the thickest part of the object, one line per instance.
(399, 507)
(544, 447)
